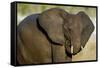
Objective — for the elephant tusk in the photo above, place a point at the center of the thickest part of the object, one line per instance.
(72, 49)
(82, 47)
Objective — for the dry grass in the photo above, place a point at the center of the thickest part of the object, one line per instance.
(89, 52)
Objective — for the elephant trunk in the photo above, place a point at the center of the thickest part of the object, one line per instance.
(76, 47)
(73, 46)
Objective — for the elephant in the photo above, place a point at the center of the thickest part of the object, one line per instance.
(52, 36)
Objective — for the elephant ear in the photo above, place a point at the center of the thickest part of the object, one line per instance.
(52, 22)
(87, 28)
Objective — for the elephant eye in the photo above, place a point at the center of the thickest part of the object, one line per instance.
(69, 29)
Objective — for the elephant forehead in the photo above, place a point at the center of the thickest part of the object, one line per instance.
(75, 22)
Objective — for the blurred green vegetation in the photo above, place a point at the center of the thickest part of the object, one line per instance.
(27, 9)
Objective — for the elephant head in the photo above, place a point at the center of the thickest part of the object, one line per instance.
(77, 28)
(61, 26)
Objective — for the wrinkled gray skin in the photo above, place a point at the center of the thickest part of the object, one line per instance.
(49, 36)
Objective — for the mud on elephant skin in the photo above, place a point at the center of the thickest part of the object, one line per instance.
(48, 37)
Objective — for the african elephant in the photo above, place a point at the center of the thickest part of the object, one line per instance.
(48, 37)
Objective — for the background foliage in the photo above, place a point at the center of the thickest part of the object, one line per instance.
(27, 9)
